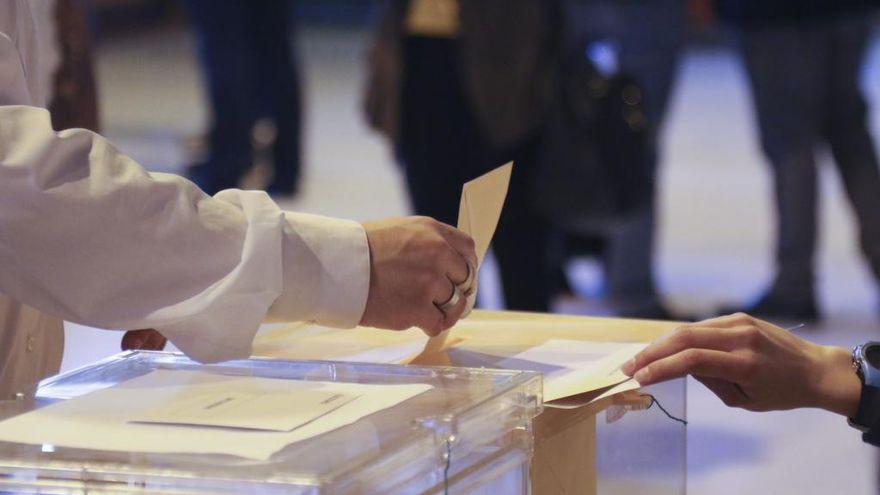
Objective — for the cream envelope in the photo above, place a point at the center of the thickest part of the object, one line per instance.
(571, 367)
(482, 200)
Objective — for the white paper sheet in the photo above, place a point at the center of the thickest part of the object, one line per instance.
(100, 420)
(219, 404)
(571, 367)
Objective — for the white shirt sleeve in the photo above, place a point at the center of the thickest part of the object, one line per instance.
(87, 235)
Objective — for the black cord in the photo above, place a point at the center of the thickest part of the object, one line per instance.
(670, 416)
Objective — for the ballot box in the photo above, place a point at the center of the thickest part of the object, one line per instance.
(624, 445)
(644, 452)
(456, 430)
(595, 436)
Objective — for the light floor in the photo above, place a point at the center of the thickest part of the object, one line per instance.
(714, 241)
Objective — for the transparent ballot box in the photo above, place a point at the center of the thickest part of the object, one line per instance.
(468, 431)
(644, 451)
(625, 444)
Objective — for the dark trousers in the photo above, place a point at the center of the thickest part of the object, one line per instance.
(442, 146)
(250, 73)
(648, 35)
(805, 85)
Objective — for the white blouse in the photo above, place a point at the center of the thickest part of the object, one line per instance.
(89, 236)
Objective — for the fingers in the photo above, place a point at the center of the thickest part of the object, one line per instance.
(703, 362)
(156, 342)
(453, 314)
(434, 316)
(458, 269)
(145, 339)
(728, 321)
(446, 313)
(416, 264)
(460, 241)
(689, 337)
(444, 318)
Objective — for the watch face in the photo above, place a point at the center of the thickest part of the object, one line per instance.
(872, 354)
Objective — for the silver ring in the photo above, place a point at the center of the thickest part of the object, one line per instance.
(467, 287)
(452, 301)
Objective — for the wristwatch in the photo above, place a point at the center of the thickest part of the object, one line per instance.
(866, 363)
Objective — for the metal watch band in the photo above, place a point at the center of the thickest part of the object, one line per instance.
(867, 418)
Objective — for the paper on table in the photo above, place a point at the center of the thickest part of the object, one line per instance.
(99, 420)
(215, 403)
(572, 367)
(391, 354)
(482, 200)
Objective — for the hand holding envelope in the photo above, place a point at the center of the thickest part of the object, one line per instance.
(482, 200)
(422, 272)
(415, 266)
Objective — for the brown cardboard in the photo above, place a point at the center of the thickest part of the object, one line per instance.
(565, 452)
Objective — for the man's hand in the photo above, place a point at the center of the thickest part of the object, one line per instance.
(143, 340)
(752, 364)
(415, 265)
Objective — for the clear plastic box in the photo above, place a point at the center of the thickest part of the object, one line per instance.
(644, 452)
(471, 433)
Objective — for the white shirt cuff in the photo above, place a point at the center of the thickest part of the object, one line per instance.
(326, 263)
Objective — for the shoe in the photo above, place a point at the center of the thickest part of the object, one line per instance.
(778, 310)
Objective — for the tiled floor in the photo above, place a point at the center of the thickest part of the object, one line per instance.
(714, 243)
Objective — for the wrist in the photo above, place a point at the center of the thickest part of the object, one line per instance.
(838, 386)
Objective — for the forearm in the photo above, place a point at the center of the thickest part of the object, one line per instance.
(89, 236)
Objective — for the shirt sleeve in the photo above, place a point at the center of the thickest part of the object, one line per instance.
(88, 235)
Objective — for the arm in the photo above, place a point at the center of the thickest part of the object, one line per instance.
(89, 236)
(754, 365)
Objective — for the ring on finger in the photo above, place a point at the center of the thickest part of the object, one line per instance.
(467, 286)
(453, 299)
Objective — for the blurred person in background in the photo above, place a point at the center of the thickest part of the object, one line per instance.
(804, 59)
(74, 104)
(643, 40)
(459, 88)
(251, 73)
(74, 101)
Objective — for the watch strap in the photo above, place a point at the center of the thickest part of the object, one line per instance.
(867, 418)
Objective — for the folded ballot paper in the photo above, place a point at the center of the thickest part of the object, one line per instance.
(195, 412)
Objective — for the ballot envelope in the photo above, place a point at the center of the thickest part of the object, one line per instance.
(158, 423)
